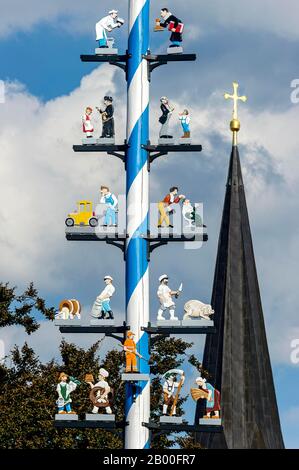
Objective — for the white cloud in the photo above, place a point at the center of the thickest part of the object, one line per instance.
(42, 178)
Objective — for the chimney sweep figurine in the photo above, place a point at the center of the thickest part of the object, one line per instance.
(101, 308)
(131, 353)
(167, 111)
(64, 390)
(87, 125)
(171, 390)
(106, 25)
(107, 119)
(184, 117)
(206, 391)
(165, 295)
(101, 393)
(166, 206)
(176, 27)
(111, 206)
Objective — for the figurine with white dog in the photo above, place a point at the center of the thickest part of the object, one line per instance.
(196, 313)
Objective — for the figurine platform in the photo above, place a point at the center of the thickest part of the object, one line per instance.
(171, 419)
(184, 141)
(99, 417)
(69, 322)
(197, 322)
(168, 323)
(134, 377)
(210, 422)
(105, 322)
(90, 141)
(66, 417)
(164, 141)
(175, 50)
(106, 141)
(106, 51)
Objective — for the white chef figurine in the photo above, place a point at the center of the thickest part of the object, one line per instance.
(102, 395)
(107, 24)
(165, 295)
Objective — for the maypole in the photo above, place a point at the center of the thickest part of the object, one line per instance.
(137, 282)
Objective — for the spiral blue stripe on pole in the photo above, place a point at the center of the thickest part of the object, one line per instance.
(137, 289)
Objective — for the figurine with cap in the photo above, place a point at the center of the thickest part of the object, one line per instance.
(101, 308)
(106, 25)
(165, 295)
(131, 352)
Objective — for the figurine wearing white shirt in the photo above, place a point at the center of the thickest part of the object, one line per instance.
(165, 295)
(107, 24)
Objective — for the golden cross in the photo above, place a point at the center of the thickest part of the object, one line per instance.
(235, 97)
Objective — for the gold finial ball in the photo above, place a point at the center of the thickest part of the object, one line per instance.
(235, 125)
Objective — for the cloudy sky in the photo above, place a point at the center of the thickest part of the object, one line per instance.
(46, 90)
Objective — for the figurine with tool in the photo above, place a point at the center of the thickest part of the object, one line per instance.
(171, 390)
(165, 295)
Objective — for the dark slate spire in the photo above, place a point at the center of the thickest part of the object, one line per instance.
(237, 355)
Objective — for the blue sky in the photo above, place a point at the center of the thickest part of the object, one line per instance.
(47, 88)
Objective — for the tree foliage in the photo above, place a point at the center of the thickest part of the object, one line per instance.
(28, 386)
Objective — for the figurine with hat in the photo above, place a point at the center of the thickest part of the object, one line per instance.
(165, 296)
(207, 392)
(131, 353)
(101, 308)
(106, 25)
(101, 394)
(107, 114)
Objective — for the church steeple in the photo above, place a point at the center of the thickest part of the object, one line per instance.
(237, 355)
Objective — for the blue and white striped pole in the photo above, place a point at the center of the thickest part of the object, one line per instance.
(137, 283)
